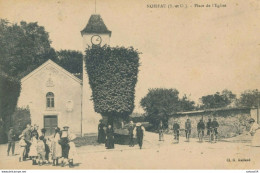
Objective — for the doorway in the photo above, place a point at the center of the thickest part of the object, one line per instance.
(50, 123)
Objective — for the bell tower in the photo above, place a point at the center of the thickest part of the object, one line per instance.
(94, 34)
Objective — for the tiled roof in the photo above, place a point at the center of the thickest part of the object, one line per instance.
(96, 25)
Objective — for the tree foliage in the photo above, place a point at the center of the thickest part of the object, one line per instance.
(249, 98)
(218, 100)
(159, 104)
(20, 118)
(70, 60)
(23, 47)
(112, 77)
(9, 92)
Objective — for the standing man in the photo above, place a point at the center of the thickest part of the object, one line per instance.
(176, 130)
(131, 134)
(215, 126)
(27, 137)
(160, 129)
(200, 129)
(11, 141)
(139, 134)
(188, 129)
(209, 128)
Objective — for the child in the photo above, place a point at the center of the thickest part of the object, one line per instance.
(56, 147)
(72, 151)
(33, 149)
(41, 150)
(22, 145)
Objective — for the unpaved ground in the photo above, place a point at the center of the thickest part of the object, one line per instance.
(157, 155)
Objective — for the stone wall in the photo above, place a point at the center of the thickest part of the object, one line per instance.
(232, 122)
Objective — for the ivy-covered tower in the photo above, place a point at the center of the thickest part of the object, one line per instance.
(94, 34)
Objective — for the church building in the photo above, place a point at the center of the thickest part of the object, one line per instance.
(56, 97)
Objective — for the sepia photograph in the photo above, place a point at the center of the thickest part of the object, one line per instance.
(129, 85)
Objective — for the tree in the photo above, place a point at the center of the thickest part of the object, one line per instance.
(249, 98)
(159, 104)
(20, 118)
(112, 76)
(186, 104)
(70, 60)
(9, 93)
(23, 47)
(218, 100)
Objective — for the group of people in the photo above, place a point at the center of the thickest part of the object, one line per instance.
(39, 148)
(212, 129)
(106, 134)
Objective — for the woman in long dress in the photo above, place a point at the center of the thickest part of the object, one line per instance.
(56, 147)
(110, 138)
(33, 149)
(255, 132)
(101, 132)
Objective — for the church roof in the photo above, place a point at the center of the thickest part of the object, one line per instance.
(95, 25)
(56, 66)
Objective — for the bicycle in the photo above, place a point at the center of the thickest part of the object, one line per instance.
(212, 135)
(176, 135)
(187, 135)
(201, 135)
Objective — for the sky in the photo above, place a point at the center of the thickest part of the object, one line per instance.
(198, 51)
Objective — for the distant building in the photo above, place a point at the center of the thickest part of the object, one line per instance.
(56, 97)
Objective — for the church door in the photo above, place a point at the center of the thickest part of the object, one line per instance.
(50, 122)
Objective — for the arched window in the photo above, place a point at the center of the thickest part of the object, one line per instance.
(50, 100)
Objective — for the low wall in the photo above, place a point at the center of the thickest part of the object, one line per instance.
(231, 122)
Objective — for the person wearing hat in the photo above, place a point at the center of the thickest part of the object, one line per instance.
(176, 130)
(35, 131)
(215, 126)
(139, 129)
(101, 132)
(188, 129)
(131, 134)
(56, 147)
(27, 132)
(255, 132)
(64, 142)
(160, 130)
(22, 145)
(110, 137)
(209, 126)
(72, 152)
(11, 141)
(200, 129)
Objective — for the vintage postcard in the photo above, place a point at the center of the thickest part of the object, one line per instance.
(140, 84)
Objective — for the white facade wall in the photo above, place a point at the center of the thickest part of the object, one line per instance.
(52, 78)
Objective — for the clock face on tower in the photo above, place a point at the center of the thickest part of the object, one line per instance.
(96, 40)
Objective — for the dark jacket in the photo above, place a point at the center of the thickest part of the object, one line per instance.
(215, 124)
(201, 126)
(176, 126)
(187, 125)
(11, 136)
(27, 135)
(209, 124)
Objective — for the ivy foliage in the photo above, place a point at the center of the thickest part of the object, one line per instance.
(112, 73)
